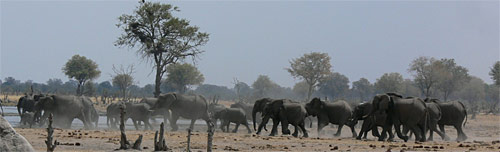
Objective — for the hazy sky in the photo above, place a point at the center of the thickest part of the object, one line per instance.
(250, 38)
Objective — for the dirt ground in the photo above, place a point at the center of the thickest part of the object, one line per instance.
(483, 133)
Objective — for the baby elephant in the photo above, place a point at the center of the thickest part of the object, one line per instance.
(27, 118)
(234, 115)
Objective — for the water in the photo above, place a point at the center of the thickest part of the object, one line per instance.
(11, 116)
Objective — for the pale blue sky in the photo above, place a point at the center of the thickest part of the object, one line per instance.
(249, 38)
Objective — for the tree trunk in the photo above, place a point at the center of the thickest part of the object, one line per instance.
(78, 89)
(157, 81)
(309, 92)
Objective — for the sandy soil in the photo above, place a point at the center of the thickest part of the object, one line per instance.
(483, 133)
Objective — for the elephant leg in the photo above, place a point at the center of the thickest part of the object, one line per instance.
(441, 128)
(304, 131)
(284, 127)
(320, 127)
(460, 133)
(274, 130)
(397, 126)
(263, 124)
(391, 135)
(246, 125)
(353, 131)
(339, 130)
(146, 124)
(236, 127)
(135, 124)
(296, 132)
(418, 133)
(173, 122)
(191, 125)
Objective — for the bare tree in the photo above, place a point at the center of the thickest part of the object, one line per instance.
(425, 73)
(123, 78)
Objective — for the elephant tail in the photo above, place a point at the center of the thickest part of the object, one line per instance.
(465, 112)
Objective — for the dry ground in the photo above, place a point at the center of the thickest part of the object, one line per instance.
(483, 132)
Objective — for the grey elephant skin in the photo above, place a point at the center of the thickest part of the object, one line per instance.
(258, 107)
(247, 108)
(65, 109)
(338, 113)
(138, 112)
(232, 115)
(411, 113)
(10, 140)
(26, 104)
(113, 114)
(287, 112)
(160, 112)
(27, 119)
(186, 106)
(453, 113)
(368, 123)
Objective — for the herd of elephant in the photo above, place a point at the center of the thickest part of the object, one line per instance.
(385, 110)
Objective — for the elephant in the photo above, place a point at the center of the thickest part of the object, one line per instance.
(287, 112)
(368, 123)
(337, 113)
(411, 113)
(26, 104)
(28, 119)
(65, 109)
(453, 113)
(432, 120)
(259, 107)
(138, 112)
(186, 106)
(234, 115)
(214, 107)
(247, 108)
(151, 102)
(113, 114)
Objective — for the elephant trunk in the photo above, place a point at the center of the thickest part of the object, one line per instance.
(254, 112)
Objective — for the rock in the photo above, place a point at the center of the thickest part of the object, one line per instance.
(10, 140)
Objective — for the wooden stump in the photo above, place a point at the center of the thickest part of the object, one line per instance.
(188, 148)
(50, 131)
(211, 130)
(160, 144)
(124, 143)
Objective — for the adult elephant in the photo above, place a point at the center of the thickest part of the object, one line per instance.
(161, 112)
(258, 107)
(411, 113)
(186, 106)
(138, 112)
(453, 113)
(65, 109)
(247, 108)
(287, 112)
(26, 104)
(337, 113)
(113, 114)
(368, 123)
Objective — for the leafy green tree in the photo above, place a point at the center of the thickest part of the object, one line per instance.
(426, 73)
(409, 89)
(82, 70)
(301, 89)
(181, 76)
(451, 77)
(311, 68)
(495, 73)
(474, 93)
(335, 85)
(389, 82)
(262, 86)
(160, 36)
(363, 88)
(54, 84)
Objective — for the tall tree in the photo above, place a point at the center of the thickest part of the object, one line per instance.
(335, 85)
(160, 36)
(54, 84)
(389, 82)
(363, 88)
(82, 70)
(425, 73)
(311, 68)
(474, 92)
(301, 89)
(241, 89)
(181, 76)
(451, 77)
(495, 73)
(263, 85)
(123, 78)
(408, 88)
